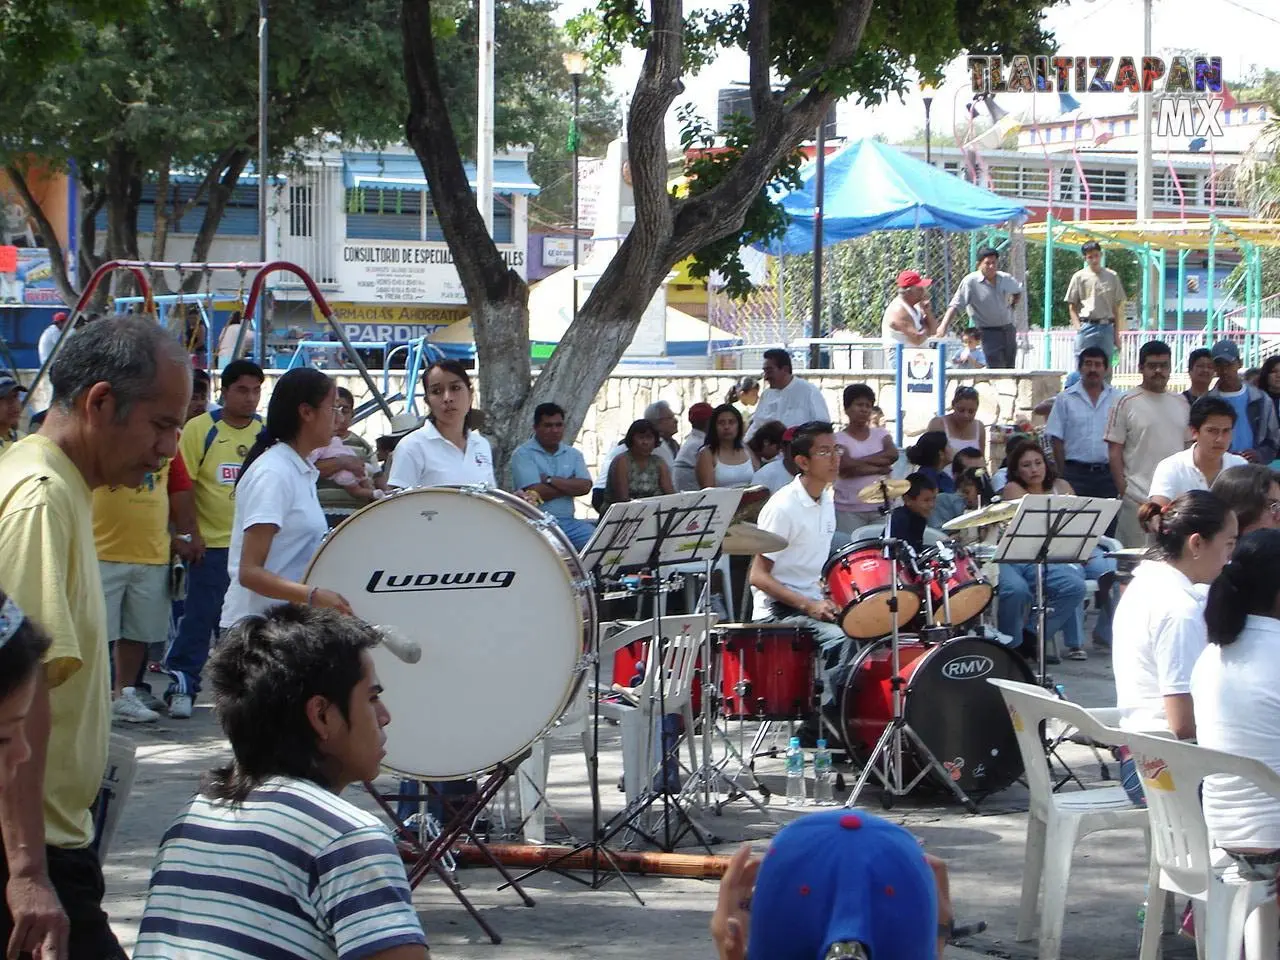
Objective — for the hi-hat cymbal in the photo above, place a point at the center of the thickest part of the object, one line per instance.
(883, 490)
(746, 540)
(982, 517)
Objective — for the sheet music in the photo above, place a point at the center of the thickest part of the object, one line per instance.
(1071, 525)
(694, 525)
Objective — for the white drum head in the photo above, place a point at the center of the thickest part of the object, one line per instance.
(494, 604)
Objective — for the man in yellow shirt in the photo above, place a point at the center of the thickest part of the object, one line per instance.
(10, 410)
(120, 389)
(213, 446)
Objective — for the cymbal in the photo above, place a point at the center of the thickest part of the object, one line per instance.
(982, 517)
(746, 540)
(872, 492)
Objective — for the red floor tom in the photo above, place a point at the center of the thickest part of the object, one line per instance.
(766, 670)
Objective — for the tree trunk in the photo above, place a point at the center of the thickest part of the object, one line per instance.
(123, 187)
(219, 193)
(160, 234)
(57, 256)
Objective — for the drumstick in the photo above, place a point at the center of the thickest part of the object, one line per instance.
(398, 645)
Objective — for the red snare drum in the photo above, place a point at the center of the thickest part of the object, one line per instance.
(630, 662)
(860, 580)
(960, 717)
(766, 670)
(968, 590)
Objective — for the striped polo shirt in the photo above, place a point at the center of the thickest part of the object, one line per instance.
(292, 872)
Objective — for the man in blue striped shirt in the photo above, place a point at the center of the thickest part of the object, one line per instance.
(268, 861)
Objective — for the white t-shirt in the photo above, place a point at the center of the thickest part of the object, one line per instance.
(1158, 631)
(1149, 426)
(773, 475)
(279, 489)
(426, 459)
(808, 526)
(48, 340)
(1236, 690)
(796, 403)
(1178, 474)
(683, 472)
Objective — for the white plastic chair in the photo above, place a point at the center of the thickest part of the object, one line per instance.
(1057, 820)
(641, 725)
(531, 775)
(1182, 858)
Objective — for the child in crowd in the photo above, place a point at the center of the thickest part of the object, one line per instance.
(908, 522)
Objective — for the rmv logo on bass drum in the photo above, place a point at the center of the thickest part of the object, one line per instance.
(382, 582)
(972, 667)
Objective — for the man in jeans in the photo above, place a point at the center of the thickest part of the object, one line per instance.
(213, 447)
(1077, 424)
(990, 296)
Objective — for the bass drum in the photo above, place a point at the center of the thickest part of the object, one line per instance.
(960, 717)
(494, 593)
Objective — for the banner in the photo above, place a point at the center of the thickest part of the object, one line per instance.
(401, 271)
(32, 281)
(372, 322)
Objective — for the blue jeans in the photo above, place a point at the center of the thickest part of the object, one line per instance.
(1093, 334)
(1100, 565)
(207, 584)
(578, 531)
(1063, 594)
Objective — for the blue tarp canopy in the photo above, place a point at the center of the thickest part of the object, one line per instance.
(402, 171)
(871, 186)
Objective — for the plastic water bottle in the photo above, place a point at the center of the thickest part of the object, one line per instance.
(822, 794)
(795, 773)
(1142, 913)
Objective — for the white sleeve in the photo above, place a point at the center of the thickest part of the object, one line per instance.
(261, 498)
(774, 520)
(490, 477)
(1055, 426)
(406, 466)
(1164, 480)
(1178, 642)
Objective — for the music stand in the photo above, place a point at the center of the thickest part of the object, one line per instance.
(1053, 529)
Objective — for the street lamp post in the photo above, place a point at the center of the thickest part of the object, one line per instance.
(575, 63)
(926, 94)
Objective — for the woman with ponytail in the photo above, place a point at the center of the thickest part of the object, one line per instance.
(1236, 685)
(1159, 627)
(279, 523)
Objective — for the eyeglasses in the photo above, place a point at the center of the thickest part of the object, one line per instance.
(833, 452)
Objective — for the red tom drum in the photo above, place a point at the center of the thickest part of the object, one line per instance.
(967, 589)
(860, 582)
(766, 670)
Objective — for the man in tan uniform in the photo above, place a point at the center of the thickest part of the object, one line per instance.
(1095, 297)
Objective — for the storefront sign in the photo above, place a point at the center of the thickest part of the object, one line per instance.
(408, 272)
(372, 322)
(558, 251)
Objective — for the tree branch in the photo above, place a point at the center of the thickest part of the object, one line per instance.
(657, 88)
(57, 257)
(762, 101)
(845, 40)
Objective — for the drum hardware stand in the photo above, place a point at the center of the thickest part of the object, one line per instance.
(427, 858)
(889, 748)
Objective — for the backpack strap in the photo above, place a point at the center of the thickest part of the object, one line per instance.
(215, 418)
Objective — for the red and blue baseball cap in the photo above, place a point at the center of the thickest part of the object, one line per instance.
(844, 877)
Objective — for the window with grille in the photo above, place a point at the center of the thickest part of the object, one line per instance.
(302, 212)
(1224, 189)
(1065, 181)
(1107, 185)
(239, 216)
(1165, 190)
(374, 214)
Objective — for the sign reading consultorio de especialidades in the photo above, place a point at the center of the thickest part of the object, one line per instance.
(377, 271)
(1181, 87)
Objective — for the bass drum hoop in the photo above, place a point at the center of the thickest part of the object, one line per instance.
(577, 579)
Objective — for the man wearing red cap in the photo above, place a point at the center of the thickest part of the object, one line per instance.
(908, 319)
(49, 338)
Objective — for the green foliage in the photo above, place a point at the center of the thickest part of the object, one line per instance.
(1066, 261)
(710, 160)
(36, 34)
(1257, 177)
(1270, 273)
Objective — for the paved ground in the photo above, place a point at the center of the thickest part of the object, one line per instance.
(570, 922)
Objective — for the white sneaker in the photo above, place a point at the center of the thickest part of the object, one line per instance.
(180, 706)
(130, 709)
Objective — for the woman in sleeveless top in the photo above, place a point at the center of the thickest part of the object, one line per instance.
(723, 460)
(961, 425)
(638, 473)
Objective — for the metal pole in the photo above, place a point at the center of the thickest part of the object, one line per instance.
(1145, 198)
(484, 122)
(260, 340)
(573, 139)
(928, 137)
(819, 185)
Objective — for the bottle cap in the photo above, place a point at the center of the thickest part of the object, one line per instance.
(795, 741)
(822, 744)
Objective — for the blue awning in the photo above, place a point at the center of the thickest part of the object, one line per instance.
(397, 171)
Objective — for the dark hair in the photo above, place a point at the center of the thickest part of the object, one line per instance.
(1196, 511)
(1264, 375)
(262, 673)
(236, 369)
(200, 378)
(1090, 246)
(544, 410)
(124, 352)
(770, 431)
(919, 484)
(1092, 353)
(806, 434)
(957, 467)
(978, 477)
(22, 654)
(456, 368)
(345, 394)
(300, 385)
(928, 449)
(389, 442)
(1247, 585)
(1020, 449)
(1200, 353)
(1207, 407)
(964, 393)
(638, 427)
(745, 385)
(855, 390)
(712, 442)
(1245, 489)
(779, 356)
(1153, 348)
(987, 252)
(236, 317)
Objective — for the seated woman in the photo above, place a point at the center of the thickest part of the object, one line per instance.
(929, 455)
(1236, 689)
(638, 472)
(724, 461)
(961, 426)
(1030, 472)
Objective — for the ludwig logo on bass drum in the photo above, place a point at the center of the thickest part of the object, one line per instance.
(972, 667)
(383, 582)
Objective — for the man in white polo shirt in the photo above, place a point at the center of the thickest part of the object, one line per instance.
(1212, 422)
(786, 585)
(789, 399)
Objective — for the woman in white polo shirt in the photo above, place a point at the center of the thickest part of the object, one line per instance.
(279, 523)
(444, 450)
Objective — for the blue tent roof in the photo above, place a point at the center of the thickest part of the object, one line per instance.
(871, 186)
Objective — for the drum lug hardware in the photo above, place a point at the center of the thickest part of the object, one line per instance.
(544, 522)
(585, 662)
(474, 489)
(583, 585)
